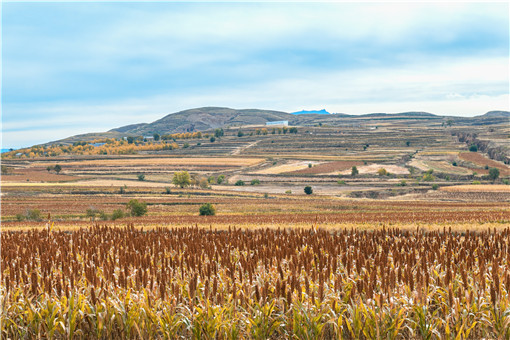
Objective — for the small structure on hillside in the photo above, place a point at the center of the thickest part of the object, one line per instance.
(279, 122)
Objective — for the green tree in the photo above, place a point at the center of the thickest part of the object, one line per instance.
(473, 148)
(493, 174)
(181, 179)
(212, 139)
(308, 190)
(156, 136)
(239, 183)
(240, 133)
(218, 133)
(116, 214)
(382, 172)
(354, 171)
(220, 179)
(130, 140)
(207, 209)
(141, 177)
(137, 208)
(255, 182)
(57, 168)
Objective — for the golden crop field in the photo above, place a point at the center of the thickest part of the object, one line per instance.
(129, 283)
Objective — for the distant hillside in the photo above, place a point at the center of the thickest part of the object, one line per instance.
(495, 114)
(204, 118)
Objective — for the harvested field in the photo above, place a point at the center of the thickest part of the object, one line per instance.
(477, 188)
(289, 167)
(145, 161)
(36, 175)
(482, 161)
(327, 168)
(373, 168)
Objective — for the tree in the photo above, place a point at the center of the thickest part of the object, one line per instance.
(255, 182)
(49, 168)
(240, 133)
(156, 136)
(137, 208)
(473, 148)
(141, 177)
(240, 183)
(212, 139)
(130, 140)
(57, 168)
(308, 190)
(493, 174)
(220, 179)
(354, 171)
(181, 179)
(207, 209)
(382, 172)
(5, 170)
(218, 133)
(203, 183)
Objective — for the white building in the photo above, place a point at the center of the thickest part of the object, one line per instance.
(279, 122)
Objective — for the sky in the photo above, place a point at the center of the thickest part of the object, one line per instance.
(78, 67)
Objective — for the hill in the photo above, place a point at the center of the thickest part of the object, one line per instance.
(204, 118)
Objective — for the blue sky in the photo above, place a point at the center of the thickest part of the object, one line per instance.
(76, 67)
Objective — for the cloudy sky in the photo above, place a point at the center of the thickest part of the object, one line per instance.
(75, 67)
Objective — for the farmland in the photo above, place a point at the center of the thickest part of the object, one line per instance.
(404, 235)
(262, 283)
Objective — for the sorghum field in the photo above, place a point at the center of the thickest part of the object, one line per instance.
(129, 283)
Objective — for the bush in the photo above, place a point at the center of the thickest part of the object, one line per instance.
(239, 183)
(20, 217)
(473, 148)
(382, 172)
(141, 177)
(308, 190)
(181, 179)
(486, 167)
(506, 181)
(476, 182)
(33, 215)
(186, 145)
(207, 209)
(122, 190)
(309, 165)
(211, 179)
(212, 139)
(493, 174)
(288, 192)
(137, 208)
(354, 171)
(91, 212)
(103, 215)
(435, 186)
(255, 182)
(454, 163)
(403, 183)
(220, 179)
(266, 195)
(168, 191)
(340, 182)
(428, 177)
(118, 213)
(203, 183)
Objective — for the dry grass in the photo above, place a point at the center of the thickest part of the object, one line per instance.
(477, 188)
(289, 167)
(134, 161)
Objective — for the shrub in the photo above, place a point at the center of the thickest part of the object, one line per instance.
(354, 171)
(57, 168)
(203, 183)
(137, 208)
(506, 181)
(382, 172)
(168, 191)
(212, 139)
(211, 179)
(118, 213)
(207, 209)
(454, 163)
(341, 182)
(428, 177)
(288, 192)
(255, 182)
(103, 215)
(493, 174)
(309, 165)
(141, 177)
(266, 195)
(473, 148)
(20, 217)
(476, 182)
(403, 183)
(486, 167)
(186, 145)
(91, 212)
(220, 179)
(181, 179)
(435, 186)
(33, 215)
(122, 190)
(240, 133)
(308, 190)
(239, 183)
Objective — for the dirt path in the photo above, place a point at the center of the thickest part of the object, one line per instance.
(240, 149)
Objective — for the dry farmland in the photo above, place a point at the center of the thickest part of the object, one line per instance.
(417, 251)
